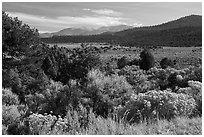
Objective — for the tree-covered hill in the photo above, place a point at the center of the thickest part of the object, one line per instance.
(186, 31)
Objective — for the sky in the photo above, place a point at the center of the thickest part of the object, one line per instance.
(55, 16)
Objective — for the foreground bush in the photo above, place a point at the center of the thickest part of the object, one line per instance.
(10, 114)
(9, 98)
(107, 92)
(158, 104)
(194, 90)
(55, 98)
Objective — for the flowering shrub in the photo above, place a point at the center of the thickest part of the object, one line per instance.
(172, 78)
(137, 78)
(9, 98)
(195, 74)
(72, 123)
(195, 85)
(158, 104)
(41, 123)
(194, 90)
(10, 114)
(107, 91)
(55, 98)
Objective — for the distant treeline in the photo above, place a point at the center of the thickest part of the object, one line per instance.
(178, 37)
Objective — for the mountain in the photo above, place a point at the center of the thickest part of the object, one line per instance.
(85, 31)
(185, 31)
(187, 21)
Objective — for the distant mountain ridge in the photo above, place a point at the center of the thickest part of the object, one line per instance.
(185, 31)
(187, 21)
(86, 31)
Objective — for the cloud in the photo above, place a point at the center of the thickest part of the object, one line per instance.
(107, 12)
(87, 9)
(93, 20)
(137, 24)
(42, 23)
(47, 24)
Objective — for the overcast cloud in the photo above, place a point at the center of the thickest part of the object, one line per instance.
(53, 16)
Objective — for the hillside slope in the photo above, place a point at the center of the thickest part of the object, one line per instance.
(185, 31)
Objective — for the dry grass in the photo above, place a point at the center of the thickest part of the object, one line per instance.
(177, 126)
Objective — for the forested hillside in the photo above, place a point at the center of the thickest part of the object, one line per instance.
(186, 31)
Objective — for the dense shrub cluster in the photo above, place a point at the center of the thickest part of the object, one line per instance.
(63, 65)
(55, 98)
(194, 90)
(158, 104)
(74, 122)
(137, 78)
(107, 92)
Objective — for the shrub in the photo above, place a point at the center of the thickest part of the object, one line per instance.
(197, 95)
(135, 62)
(4, 128)
(74, 122)
(107, 92)
(158, 104)
(41, 124)
(165, 62)
(122, 62)
(194, 90)
(74, 64)
(11, 79)
(159, 77)
(55, 98)
(137, 78)
(10, 114)
(108, 65)
(9, 98)
(147, 60)
(194, 74)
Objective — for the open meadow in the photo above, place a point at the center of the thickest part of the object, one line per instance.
(184, 56)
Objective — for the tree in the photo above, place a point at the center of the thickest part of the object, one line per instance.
(22, 55)
(147, 60)
(17, 38)
(73, 64)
